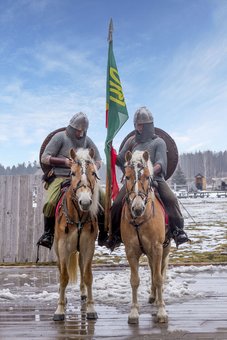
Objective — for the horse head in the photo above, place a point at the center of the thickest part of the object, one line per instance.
(138, 175)
(84, 179)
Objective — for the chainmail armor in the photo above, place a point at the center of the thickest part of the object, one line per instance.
(156, 148)
(59, 146)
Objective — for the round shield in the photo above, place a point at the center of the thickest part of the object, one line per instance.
(172, 152)
(46, 167)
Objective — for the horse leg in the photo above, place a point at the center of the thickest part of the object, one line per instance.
(87, 279)
(157, 279)
(165, 261)
(133, 317)
(83, 288)
(59, 314)
(152, 295)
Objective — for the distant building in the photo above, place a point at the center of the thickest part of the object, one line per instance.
(219, 183)
(200, 182)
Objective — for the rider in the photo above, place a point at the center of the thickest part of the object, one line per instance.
(56, 155)
(146, 139)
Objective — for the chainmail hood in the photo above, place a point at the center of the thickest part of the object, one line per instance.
(79, 142)
(79, 121)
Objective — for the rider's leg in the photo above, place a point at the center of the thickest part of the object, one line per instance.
(176, 221)
(115, 234)
(52, 197)
(46, 240)
(103, 234)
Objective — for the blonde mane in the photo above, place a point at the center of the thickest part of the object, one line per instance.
(83, 156)
(137, 158)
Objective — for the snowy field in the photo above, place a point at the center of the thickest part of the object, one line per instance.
(206, 226)
(205, 223)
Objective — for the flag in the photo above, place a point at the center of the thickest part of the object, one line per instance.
(116, 115)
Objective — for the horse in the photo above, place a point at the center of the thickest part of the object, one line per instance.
(76, 230)
(143, 231)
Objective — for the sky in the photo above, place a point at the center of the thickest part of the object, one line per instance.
(171, 57)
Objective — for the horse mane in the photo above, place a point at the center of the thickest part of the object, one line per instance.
(137, 158)
(83, 155)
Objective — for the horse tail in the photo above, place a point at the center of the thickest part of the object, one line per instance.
(72, 267)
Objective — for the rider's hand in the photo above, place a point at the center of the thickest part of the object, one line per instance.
(68, 162)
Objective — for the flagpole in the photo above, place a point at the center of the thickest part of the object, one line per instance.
(108, 179)
(116, 116)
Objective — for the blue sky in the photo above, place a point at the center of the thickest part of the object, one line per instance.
(171, 57)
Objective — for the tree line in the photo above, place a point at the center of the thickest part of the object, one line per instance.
(209, 164)
(20, 169)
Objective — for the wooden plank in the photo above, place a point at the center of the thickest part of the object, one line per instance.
(23, 214)
(2, 215)
(8, 220)
(14, 227)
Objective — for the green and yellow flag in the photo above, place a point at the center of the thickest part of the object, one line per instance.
(116, 113)
(116, 116)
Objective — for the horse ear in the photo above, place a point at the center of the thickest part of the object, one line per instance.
(72, 154)
(92, 153)
(128, 156)
(146, 156)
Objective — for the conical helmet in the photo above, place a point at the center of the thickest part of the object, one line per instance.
(79, 121)
(143, 116)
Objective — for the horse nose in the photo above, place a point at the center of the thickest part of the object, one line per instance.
(85, 205)
(137, 211)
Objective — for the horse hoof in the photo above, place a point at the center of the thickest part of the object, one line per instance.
(59, 317)
(83, 297)
(133, 321)
(92, 316)
(161, 318)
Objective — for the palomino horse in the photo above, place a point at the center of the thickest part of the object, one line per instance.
(76, 230)
(143, 231)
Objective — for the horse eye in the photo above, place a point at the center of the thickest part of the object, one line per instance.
(73, 173)
(127, 177)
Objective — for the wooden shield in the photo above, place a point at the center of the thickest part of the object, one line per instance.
(45, 167)
(172, 152)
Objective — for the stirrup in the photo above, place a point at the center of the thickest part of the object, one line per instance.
(180, 237)
(46, 240)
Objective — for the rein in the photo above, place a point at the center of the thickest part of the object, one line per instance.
(145, 196)
(137, 225)
(70, 221)
(84, 218)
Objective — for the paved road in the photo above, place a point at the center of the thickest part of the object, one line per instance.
(31, 318)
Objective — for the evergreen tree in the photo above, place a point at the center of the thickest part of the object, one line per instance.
(178, 177)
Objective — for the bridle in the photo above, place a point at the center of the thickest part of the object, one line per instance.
(144, 193)
(84, 166)
(82, 218)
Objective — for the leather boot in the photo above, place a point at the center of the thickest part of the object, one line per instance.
(103, 234)
(176, 228)
(47, 239)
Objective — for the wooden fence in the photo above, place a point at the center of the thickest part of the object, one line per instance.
(21, 219)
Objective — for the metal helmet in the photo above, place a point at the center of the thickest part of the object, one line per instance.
(79, 121)
(143, 116)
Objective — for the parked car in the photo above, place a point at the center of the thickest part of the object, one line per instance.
(182, 193)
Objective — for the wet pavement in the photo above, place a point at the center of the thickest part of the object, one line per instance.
(28, 299)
